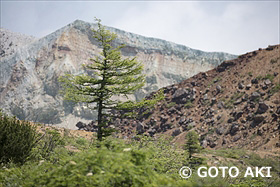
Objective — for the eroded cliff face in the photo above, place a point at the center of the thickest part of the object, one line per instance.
(28, 78)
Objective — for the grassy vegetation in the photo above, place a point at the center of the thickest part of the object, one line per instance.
(189, 104)
(216, 79)
(242, 159)
(171, 104)
(60, 159)
(250, 158)
(229, 102)
(267, 76)
(275, 89)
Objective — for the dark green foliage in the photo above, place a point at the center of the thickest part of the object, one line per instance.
(192, 143)
(17, 138)
(46, 145)
(114, 163)
(131, 108)
(145, 161)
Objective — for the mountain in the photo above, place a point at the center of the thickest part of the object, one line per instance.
(236, 104)
(28, 76)
(11, 41)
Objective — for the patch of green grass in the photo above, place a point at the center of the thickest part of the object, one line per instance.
(269, 76)
(229, 102)
(169, 105)
(275, 89)
(255, 160)
(229, 153)
(216, 79)
(189, 104)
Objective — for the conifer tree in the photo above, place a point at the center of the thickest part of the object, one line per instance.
(111, 76)
(192, 143)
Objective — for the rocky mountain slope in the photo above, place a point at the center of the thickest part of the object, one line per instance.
(28, 77)
(10, 42)
(236, 105)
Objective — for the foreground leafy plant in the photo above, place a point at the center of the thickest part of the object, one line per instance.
(114, 163)
(17, 138)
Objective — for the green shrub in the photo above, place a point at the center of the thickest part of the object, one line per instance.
(112, 164)
(17, 138)
(46, 145)
(256, 160)
(166, 157)
(145, 161)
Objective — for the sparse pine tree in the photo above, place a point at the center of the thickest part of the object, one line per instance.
(112, 76)
(192, 143)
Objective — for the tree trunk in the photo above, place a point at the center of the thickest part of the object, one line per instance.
(99, 121)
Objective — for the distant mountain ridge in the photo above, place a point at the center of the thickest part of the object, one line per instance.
(28, 77)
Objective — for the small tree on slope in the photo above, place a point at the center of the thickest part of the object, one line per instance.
(113, 76)
(192, 143)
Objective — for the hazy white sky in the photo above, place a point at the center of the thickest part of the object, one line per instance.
(230, 26)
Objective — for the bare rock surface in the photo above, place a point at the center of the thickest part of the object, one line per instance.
(11, 41)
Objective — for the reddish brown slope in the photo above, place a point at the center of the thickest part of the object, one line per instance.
(235, 105)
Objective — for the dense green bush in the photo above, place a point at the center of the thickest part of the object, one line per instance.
(112, 163)
(17, 138)
(164, 154)
(48, 146)
(145, 161)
